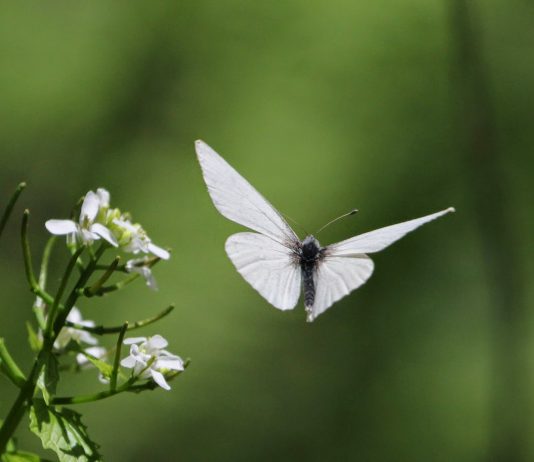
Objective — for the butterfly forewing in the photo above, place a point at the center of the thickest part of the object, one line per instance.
(379, 239)
(268, 266)
(236, 199)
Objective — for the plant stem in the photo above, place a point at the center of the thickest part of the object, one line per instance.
(26, 251)
(9, 366)
(38, 306)
(116, 361)
(10, 205)
(62, 400)
(119, 285)
(95, 288)
(102, 330)
(61, 289)
(128, 386)
(19, 406)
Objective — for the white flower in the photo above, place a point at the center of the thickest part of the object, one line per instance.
(140, 265)
(86, 230)
(149, 359)
(68, 334)
(136, 239)
(103, 198)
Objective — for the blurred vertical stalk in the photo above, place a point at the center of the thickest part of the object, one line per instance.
(509, 399)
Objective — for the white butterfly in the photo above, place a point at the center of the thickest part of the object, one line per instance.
(276, 262)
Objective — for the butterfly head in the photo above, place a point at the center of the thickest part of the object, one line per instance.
(310, 249)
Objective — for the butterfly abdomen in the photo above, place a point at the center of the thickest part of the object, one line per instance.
(310, 253)
(308, 284)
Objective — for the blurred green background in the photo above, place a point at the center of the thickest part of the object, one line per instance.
(397, 108)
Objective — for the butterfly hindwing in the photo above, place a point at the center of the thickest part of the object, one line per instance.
(267, 266)
(336, 277)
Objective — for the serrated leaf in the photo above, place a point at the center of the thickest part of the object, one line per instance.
(33, 339)
(62, 431)
(49, 377)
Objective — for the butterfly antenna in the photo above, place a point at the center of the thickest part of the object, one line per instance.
(297, 223)
(348, 214)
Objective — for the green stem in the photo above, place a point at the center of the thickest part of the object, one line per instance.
(43, 276)
(45, 296)
(75, 293)
(55, 305)
(19, 406)
(102, 330)
(119, 285)
(26, 251)
(95, 288)
(10, 205)
(9, 366)
(116, 361)
(125, 387)
(119, 268)
(62, 400)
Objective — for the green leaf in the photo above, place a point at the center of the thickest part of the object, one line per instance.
(33, 339)
(22, 456)
(61, 430)
(49, 377)
(104, 368)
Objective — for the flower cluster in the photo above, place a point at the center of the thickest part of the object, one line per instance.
(98, 221)
(149, 359)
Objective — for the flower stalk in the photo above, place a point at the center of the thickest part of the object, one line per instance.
(10, 206)
(10, 367)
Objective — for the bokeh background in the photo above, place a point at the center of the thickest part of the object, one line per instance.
(396, 108)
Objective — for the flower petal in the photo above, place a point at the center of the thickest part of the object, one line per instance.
(86, 337)
(128, 362)
(158, 251)
(90, 206)
(160, 379)
(157, 341)
(104, 233)
(75, 315)
(150, 279)
(144, 271)
(61, 227)
(171, 364)
(132, 340)
(103, 197)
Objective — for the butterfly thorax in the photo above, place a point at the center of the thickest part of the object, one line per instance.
(310, 250)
